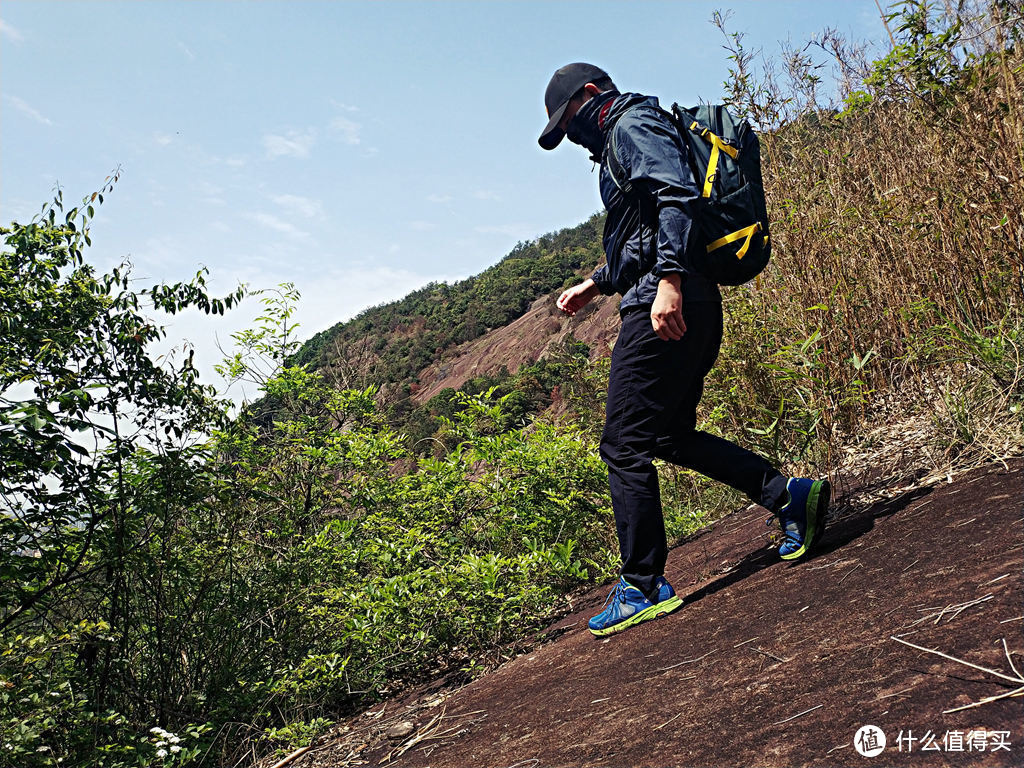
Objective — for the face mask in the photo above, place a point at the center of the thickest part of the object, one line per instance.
(583, 129)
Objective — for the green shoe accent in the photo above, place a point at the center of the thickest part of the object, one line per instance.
(816, 507)
(671, 604)
(647, 614)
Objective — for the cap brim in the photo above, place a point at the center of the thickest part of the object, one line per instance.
(552, 135)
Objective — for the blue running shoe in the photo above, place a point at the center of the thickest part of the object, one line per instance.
(667, 597)
(626, 607)
(803, 517)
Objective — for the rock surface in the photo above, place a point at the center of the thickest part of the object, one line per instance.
(770, 663)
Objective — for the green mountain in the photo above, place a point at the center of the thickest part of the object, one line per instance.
(390, 343)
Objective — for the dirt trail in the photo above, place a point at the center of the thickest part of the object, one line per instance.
(768, 663)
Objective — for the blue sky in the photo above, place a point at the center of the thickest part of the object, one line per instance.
(356, 149)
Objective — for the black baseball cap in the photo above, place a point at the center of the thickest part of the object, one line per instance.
(564, 83)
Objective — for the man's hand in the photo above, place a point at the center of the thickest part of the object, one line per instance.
(667, 311)
(574, 299)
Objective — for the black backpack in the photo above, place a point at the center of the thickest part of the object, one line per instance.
(732, 219)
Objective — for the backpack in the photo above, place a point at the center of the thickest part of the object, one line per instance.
(732, 217)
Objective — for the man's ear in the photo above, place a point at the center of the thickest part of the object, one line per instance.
(592, 89)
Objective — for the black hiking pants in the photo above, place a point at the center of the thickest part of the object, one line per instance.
(653, 390)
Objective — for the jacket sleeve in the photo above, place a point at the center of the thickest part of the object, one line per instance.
(654, 156)
(600, 278)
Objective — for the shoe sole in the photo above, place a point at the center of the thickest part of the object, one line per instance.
(664, 608)
(817, 507)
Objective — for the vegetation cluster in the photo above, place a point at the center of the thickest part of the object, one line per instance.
(898, 226)
(185, 585)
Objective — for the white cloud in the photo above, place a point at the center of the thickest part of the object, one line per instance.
(347, 130)
(10, 32)
(486, 194)
(300, 206)
(439, 198)
(422, 226)
(186, 50)
(333, 290)
(158, 257)
(294, 144)
(163, 139)
(26, 108)
(343, 107)
(210, 194)
(20, 210)
(236, 161)
(270, 221)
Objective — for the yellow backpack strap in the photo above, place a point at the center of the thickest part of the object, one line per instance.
(717, 146)
(746, 234)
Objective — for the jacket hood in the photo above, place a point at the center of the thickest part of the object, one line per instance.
(592, 123)
(623, 103)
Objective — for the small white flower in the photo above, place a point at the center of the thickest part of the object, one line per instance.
(173, 739)
(161, 744)
(155, 729)
(175, 749)
(161, 753)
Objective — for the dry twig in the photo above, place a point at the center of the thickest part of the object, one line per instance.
(848, 573)
(297, 753)
(1010, 660)
(801, 714)
(1017, 692)
(890, 695)
(681, 663)
(1019, 679)
(998, 578)
(427, 731)
(769, 655)
(956, 609)
(659, 727)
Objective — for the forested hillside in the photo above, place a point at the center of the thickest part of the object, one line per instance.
(181, 584)
(391, 343)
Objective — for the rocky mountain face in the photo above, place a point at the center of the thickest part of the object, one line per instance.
(524, 340)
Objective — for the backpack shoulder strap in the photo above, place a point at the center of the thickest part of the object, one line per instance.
(615, 169)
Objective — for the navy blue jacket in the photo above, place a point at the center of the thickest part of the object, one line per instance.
(648, 233)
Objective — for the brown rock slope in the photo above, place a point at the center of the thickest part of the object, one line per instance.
(768, 663)
(524, 340)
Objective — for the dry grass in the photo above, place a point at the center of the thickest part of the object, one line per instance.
(897, 281)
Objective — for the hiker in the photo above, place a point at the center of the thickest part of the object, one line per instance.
(671, 330)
